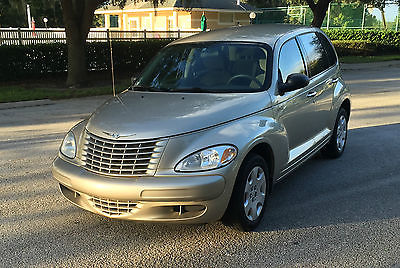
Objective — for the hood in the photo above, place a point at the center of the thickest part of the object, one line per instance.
(147, 115)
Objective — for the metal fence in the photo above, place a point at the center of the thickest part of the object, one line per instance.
(24, 36)
(353, 16)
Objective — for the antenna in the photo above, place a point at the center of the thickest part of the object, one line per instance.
(112, 62)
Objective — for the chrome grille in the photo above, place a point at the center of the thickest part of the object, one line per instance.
(112, 207)
(122, 158)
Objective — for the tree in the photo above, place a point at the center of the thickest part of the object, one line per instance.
(318, 8)
(347, 15)
(319, 11)
(13, 13)
(78, 18)
(379, 4)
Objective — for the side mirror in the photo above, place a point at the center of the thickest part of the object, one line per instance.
(293, 82)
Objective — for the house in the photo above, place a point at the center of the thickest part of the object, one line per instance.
(175, 14)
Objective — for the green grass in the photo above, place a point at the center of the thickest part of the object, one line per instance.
(366, 59)
(13, 93)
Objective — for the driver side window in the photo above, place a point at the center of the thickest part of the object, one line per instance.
(290, 60)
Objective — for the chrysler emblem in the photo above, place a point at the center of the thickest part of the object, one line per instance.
(117, 135)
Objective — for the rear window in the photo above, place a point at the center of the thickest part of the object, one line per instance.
(317, 58)
(328, 48)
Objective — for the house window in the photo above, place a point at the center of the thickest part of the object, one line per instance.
(226, 18)
(114, 21)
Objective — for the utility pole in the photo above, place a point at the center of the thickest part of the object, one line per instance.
(28, 12)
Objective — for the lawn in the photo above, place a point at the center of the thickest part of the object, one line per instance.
(13, 93)
(53, 87)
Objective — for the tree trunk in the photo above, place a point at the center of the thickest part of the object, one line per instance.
(319, 11)
(78, 17)
(383, 17)
(77, 64)
(318, 19)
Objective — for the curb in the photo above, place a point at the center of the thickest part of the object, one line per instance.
(369, 65)
(21, 104)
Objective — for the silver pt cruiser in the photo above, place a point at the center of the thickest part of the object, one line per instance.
(211, 124)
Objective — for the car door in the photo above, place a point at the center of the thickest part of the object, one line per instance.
(324, 100)
(295, 109)
(323, 78)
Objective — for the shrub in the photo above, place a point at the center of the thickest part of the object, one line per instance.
(27, 61)
(20, 62)
(390, 38)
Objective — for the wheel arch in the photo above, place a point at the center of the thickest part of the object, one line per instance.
(264, 150)
(347, 106)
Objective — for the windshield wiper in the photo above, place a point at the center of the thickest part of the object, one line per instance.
(152, 89)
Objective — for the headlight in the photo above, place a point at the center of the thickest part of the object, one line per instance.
(207, 159)
(68, 146)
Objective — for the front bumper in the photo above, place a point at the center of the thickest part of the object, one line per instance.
(191, 199)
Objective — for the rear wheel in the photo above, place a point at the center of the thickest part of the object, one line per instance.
(337, 143)
(250, 194)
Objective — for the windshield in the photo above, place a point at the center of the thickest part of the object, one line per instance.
(206, 67)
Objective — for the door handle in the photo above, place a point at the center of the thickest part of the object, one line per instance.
(332, 81)
(311, 94)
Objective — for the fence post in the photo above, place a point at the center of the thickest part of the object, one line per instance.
(301, 14)
(305, 11)
(179, 33)
(144, 34)
(108, 35)
(363, 18)
(19, 36)
(329, 16)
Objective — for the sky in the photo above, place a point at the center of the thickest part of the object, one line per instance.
(391, 12)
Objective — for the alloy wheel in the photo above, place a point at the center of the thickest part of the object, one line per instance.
(254, 193)
(341, 133)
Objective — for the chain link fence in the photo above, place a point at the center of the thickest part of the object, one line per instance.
(354, 15)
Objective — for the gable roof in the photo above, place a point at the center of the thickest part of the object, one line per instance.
(185, 4)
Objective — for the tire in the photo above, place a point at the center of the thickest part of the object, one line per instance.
(337, 143)
(249, 198)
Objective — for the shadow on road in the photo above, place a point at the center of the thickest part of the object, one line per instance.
(362, 185)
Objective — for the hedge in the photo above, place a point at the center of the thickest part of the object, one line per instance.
(390, 38)
(21, 62)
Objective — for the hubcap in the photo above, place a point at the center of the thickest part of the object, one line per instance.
(341, 133)
(254, 193)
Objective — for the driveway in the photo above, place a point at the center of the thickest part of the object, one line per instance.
(343, 212)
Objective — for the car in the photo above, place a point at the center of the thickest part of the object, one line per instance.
(208, 128)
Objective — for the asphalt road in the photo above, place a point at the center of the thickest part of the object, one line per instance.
(343, 212)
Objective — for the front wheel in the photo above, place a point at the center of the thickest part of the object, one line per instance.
(337, 143)
(250, 194)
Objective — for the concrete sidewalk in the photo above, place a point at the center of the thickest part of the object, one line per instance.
(20, 104)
